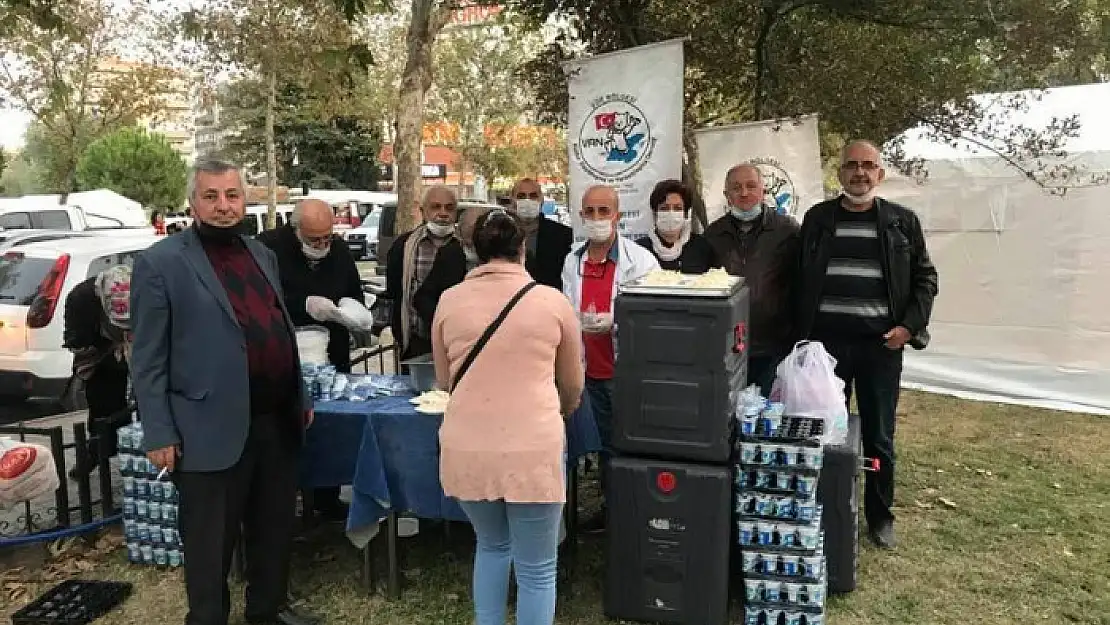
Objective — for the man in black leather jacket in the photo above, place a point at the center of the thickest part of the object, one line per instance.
(865, 289)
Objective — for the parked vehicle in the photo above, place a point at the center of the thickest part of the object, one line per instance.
(363, 240)
(19, 236)
(35, 279)
(388, 224)
(85, 210)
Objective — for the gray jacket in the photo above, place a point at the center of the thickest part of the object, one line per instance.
(189, 360)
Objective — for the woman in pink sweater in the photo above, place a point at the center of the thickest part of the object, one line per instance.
(502, 438)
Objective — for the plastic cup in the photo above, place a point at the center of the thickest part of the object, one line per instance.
(147, 553)
(747, 533)
(173, 557)
(766, 533)
(808, 537)
(753, 616)
(772, 592)
(795, 618)
(747, 453)
(784, 507)
(814, 456)
(791, 565)
(805, 485)
(159, 554)
(811, 567)
(748, 425)
(753, 590)
(134, 554)
(142, 509)
(788, 536)
(154, 511)
(749, 561)
(805, 511)
(790, 593)
(771, 565)
(129, 508)
(765, 505)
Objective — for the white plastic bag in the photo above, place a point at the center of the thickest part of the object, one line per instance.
(27, 472)
(809, 387)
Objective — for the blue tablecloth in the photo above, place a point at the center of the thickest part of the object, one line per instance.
(389, 454)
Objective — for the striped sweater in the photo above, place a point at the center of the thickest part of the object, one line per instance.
(854, 300)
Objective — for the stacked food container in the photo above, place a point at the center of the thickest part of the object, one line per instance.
(681, 365)
(149, 505)
(778, 517)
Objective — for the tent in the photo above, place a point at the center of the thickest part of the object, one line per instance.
(1023, 314)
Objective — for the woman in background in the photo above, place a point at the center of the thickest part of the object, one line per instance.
(672, 243)
(503, 437)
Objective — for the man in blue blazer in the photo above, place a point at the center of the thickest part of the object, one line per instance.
(221, 398)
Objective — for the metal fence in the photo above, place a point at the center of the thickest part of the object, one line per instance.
(50, 513)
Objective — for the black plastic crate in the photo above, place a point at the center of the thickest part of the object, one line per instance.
(669, 533)
(74, 602)
(682, 363)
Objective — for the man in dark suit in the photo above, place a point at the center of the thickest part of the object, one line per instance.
(217, 379)
(317, 270)
(414, 279)
(547, 242)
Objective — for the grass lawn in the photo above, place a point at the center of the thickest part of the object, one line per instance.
(1002, 518)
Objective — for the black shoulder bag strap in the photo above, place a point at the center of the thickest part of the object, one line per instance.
(474, 351)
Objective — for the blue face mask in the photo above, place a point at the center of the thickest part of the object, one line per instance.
(747, 215)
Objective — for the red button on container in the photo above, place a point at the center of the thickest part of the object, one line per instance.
(666, 481)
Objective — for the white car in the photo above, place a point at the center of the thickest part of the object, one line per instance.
(363, 240)
(35, 279)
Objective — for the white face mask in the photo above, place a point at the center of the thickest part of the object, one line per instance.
(866, 198)
(440, 230)
(670, 221)
(747, 215)
(527, 209)
(313, 253)
(599, 230)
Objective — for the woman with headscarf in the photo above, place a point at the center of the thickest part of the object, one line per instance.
(672, 243)
(98, 332)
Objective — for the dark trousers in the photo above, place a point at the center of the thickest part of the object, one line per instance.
(876, 374)
(600, 393)
(106, 396)
(256, 498)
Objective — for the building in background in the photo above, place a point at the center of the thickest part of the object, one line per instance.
(176, 119)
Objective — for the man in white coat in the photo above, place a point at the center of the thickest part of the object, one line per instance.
(592, 273)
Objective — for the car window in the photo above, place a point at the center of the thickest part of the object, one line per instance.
(279, 220)
(110, 260)
(20, 278)
(54, 220)
(372, 220)
(250, 224)
(15, 220)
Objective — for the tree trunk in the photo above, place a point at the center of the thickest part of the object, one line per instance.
(426, 22)
(271, 151)
(691, 177)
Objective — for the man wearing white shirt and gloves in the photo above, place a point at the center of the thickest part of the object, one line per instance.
(592, 274)
(322, 287)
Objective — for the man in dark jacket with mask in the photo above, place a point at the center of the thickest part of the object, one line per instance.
(754, 241)
(866, 288)
(317, 272)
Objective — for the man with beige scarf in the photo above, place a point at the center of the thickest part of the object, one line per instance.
(410, 281)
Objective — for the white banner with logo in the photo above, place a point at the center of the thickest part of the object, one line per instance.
(787, 152)
(624, 128)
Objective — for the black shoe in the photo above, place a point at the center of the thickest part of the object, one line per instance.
(882, 535)
(595, 524)
(288, 616)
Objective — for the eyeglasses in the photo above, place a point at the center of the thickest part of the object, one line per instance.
(864, 165)
(602, 212)
(320, 240)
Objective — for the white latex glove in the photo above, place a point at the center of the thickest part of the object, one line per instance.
(355, 316)
(596, 323)
(321, 309)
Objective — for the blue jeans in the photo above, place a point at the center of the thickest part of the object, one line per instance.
(525, 536)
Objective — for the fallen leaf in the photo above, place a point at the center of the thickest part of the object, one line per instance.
(981, 471)
(923, 505)
(989, 474)
(1068, 553)
(940, 470)
(1057, 486)
(1015, 526)
(948, 503)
